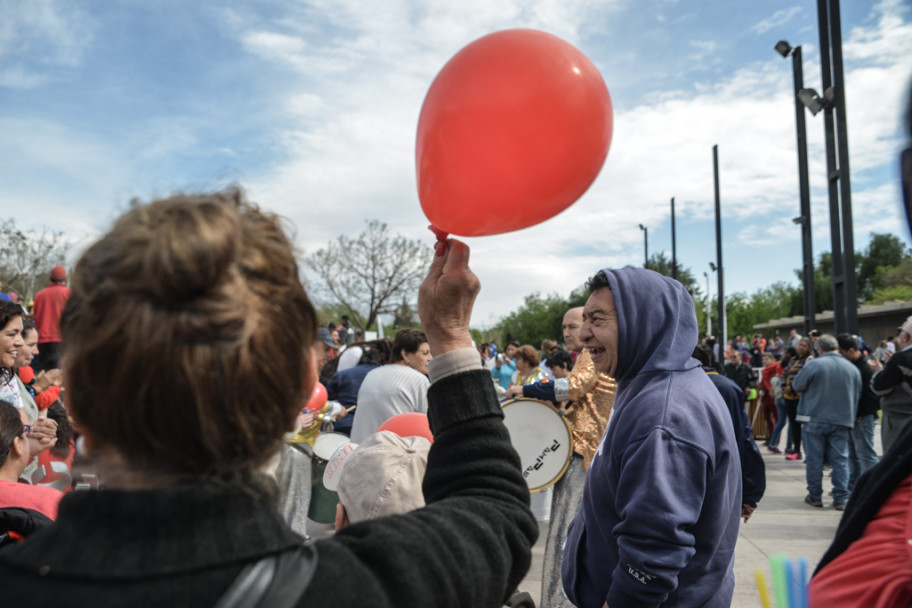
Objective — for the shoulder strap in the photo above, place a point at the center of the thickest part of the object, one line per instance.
(276, 581)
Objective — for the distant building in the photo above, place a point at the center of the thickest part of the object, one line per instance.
(875, 322)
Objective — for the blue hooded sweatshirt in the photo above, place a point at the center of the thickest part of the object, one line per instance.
(660, 510)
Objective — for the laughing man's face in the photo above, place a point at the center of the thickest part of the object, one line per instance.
(599, 333)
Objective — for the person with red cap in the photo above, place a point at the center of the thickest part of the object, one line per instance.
(49, 305)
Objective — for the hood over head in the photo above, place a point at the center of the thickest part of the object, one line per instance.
(657, 324)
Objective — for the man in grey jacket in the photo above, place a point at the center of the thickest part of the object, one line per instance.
(893, 384)
(829, 386)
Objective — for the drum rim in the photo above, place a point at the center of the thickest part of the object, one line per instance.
(563, 419)
(315, 455)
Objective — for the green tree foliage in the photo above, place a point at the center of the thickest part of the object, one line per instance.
(537, 319)
(892, 293)
(774, 302)
(884, 252)
(663, 265)
(899, 275)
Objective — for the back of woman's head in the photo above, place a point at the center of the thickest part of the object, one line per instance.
(187, 336)
(528, 354)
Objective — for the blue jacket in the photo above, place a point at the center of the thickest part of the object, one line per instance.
(345, 385)
(661, 507)
(753, 469)
(830, 386)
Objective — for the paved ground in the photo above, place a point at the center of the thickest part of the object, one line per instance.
(781, 524)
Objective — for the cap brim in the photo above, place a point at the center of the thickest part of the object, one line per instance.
(336, 465)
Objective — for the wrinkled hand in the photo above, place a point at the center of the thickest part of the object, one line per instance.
(446, 297)
(43, 435)
(875, 365)
(746, 512)
(306, 419)
(514, 391)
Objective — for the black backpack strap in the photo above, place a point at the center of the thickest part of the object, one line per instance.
(276, 581)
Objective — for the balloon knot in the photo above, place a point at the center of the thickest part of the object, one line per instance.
(440, 234)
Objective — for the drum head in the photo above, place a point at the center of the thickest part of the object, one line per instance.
(327, 444)
(542, 438)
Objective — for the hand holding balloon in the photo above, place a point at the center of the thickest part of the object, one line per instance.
(317, 398)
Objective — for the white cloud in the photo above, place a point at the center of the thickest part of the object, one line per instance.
(38, 36)
(779, 18)
(350, 80)
(351, 157)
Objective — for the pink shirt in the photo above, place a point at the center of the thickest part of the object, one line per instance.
(41, 499)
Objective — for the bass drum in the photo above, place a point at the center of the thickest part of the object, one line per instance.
(322, 500)
(542, 438)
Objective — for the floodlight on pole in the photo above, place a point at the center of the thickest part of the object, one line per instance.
(804, 189)
(812, 101)
(784, 48)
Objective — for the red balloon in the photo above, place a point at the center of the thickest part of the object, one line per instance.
(409, 424)
(514, 129)
(317, 398)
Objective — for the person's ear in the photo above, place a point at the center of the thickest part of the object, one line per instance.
(311, 373)
(341, 517)
(20, 446)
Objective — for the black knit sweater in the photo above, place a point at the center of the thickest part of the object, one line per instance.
(470, 546)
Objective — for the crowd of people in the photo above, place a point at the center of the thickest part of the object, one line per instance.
(185, 353)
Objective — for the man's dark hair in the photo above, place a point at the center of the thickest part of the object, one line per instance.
(559, 358)
(27, 326)
(703, 355)
(596, 282)
(370, 356)
(847, 341)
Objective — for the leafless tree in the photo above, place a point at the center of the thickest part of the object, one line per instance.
(372, 273)
(26, 257)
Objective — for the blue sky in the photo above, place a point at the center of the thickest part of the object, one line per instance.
(312, 106)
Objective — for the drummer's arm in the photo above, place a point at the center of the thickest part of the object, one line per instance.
(546, 391)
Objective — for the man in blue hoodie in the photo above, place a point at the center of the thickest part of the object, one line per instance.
(660, 510)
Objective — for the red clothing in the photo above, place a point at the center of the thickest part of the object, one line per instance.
(876, 570)
(49, 303)
(45, 398)
(41, 499)
(45, 459)
(768, 372)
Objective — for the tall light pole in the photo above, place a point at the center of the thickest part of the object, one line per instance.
(709, 326)
(845, 299)
(645, 245)
(720, 292)
(804, 190)
(674, 251)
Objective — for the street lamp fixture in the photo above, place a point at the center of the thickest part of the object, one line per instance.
(784, 48)
(814, 102)
(800, 220)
